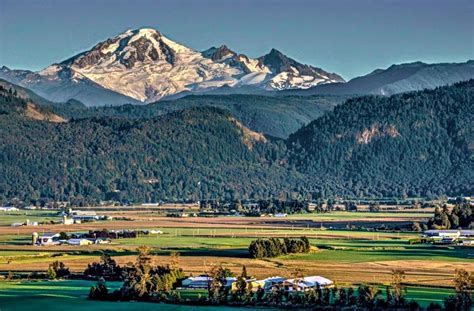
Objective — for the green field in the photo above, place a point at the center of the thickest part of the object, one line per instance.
(72, 294)
(8, 218)
(346, 246)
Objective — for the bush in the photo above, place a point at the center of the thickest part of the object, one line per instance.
(57, 270)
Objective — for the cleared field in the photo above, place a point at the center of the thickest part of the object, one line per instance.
(151, 219)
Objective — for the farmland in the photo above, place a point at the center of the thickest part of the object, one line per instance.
(53, 295)
(349, 257)
(73, 294)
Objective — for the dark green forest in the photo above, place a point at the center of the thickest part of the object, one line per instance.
(414, 144)
(273, 116)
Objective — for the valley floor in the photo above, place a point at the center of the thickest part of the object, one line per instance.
(348, 257)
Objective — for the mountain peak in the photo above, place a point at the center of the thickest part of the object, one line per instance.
(142, 45)
(274, 51)
(276, 60)
(145, 65)
(218, 54)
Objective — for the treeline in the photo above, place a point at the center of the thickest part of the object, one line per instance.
(257, 207)
(274, 247)
(460, 216)
(144, 281)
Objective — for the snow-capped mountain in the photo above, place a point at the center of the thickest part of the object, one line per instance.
(398, 79)
(143, 65)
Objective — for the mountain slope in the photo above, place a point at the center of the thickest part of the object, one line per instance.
(191, 154)
(399, 79)
(273, 116)
(412, 144)
(18, 101)
(143, 65)
(60, 84)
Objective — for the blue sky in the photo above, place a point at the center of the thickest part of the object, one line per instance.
(347, 37)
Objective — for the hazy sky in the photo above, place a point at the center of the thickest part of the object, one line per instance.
(347, 37)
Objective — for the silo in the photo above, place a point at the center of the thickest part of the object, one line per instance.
(34, 238)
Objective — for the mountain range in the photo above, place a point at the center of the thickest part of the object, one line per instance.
(398, 79)
(143, 66)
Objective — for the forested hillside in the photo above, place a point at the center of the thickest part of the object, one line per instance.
(274, 116)
(414, 144)
(419, 143)
(192, 154)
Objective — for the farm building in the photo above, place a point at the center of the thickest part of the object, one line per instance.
(67, 221)
(8, 209)
(269, 282)
(49, 239)
(203, 281)
(301, 284)
(442, 233)
(449, 236)
(79, 242)
(306, 283)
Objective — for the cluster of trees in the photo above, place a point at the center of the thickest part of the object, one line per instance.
(274, 247)
(142, 280)
(146, 282)
(58, 270)
(460, 216)
(463, 298)
(256, 207)
(107, 268)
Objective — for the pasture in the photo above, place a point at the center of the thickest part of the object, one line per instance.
(56, 295)
(71, 294)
